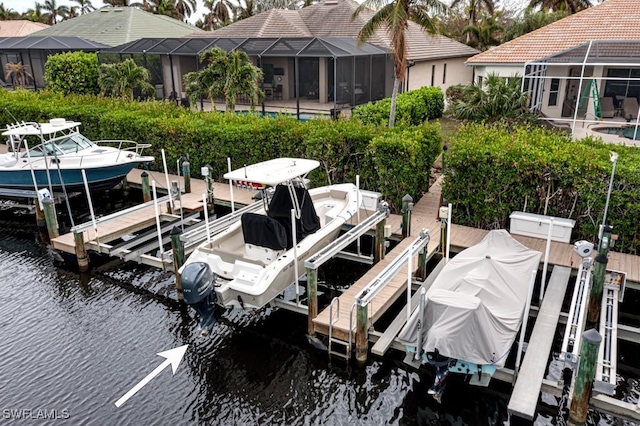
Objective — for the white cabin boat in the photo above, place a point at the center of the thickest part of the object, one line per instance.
(252, 262)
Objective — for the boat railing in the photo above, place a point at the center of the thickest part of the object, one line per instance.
(134, 146)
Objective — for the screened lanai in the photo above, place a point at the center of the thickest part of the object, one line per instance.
(33, 51)
(315, 73)
(593, 87)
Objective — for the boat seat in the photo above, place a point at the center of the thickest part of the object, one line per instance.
(263, 231)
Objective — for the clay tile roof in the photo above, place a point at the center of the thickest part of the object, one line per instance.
(333, 18)
(609, 20)
(19, 28)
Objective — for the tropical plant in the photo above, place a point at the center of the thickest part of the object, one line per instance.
(18, 73)
(36, 14)
(531, 20)
(485, 33)
(499, 98)
(85, 6)
(248, 9)
(7, 13)
(473, 8)
(569, 6)
(72, 72)
(394, 16)
(226, 75)
(220, 14)
(123, 78)
(53, 11)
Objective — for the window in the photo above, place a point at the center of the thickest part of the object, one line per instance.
(553, 92)
(480, 80)
(433, 74)
(444, 74)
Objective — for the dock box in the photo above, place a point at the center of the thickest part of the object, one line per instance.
(537, 226)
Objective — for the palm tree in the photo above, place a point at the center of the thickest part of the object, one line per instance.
(226, 75)
(36, 15)
(569, 6)
(185, 8)
(485, 33)
(116, 3)
(7, 14)
(73, 11)
(121, 79)
(395, 17)
(18, 73)
(163, 7)
(249, 9)
(53, 11)
(473, 9)
(529, 21)
(85, 6)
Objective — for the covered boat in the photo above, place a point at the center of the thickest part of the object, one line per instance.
(52, 155)
(254, 260)
(474, 309)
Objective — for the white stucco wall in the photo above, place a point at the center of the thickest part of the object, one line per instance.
(421, 73)
(501, 70)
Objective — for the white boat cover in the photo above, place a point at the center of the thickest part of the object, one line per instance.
(474, 307)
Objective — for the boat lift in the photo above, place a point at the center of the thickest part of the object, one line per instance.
(577, 315)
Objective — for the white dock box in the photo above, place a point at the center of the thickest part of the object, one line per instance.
(537, 226)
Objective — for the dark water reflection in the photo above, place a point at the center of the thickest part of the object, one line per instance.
(79, 343)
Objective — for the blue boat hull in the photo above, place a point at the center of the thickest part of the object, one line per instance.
(98, 179)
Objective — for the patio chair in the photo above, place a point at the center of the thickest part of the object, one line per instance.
(630, 108)
(608, 109)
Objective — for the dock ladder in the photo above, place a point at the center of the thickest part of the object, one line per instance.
(348, 344)
(605, 380)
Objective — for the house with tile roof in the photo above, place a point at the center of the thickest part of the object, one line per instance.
(434, 60)
(572, 65)
(20, 27)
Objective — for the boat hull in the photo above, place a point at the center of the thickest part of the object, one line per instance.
(98, 179)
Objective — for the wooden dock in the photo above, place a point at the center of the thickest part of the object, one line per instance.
(144, 218)
(524, 398)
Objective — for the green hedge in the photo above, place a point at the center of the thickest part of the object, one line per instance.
(492, 171)
(344, 148)
(72, 72)
(412, 108)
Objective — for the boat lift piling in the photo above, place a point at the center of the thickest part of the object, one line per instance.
(177, 247)
(597, 286)
(50, 217)
(583, 385)
(146, 188)
(186, 173)
(407, 206)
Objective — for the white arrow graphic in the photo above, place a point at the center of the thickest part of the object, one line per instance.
(173, 357)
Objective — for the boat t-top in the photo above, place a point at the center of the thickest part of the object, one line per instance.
(53, 154)
(253, 261)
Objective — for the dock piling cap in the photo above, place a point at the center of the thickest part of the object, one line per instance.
(592, 336)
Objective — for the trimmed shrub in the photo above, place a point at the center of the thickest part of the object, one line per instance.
(401, 159)
(72, 72)
(492, 171)
(344, 148)
(412, 108)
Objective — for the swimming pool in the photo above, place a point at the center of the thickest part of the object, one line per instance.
(626, 131)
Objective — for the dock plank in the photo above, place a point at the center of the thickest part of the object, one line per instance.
(524, 398)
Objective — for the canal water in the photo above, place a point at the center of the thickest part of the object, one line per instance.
(71, 345)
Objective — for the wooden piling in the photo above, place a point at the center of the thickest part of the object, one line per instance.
(81, 252)
(146, 188)
(421, 272)
(583, 384)
(312, 298)
(407, 206)
(40, 220)
(597, 285)
(380, 241)
(186, 173)
(125, 186)
(50, 217)
(362, 333)
(177, 246)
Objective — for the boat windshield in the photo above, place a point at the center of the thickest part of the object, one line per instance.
(65, 145)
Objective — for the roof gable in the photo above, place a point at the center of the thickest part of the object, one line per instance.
(609, 20)
(114, 26)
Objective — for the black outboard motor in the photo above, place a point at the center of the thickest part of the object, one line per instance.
(197, 286)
